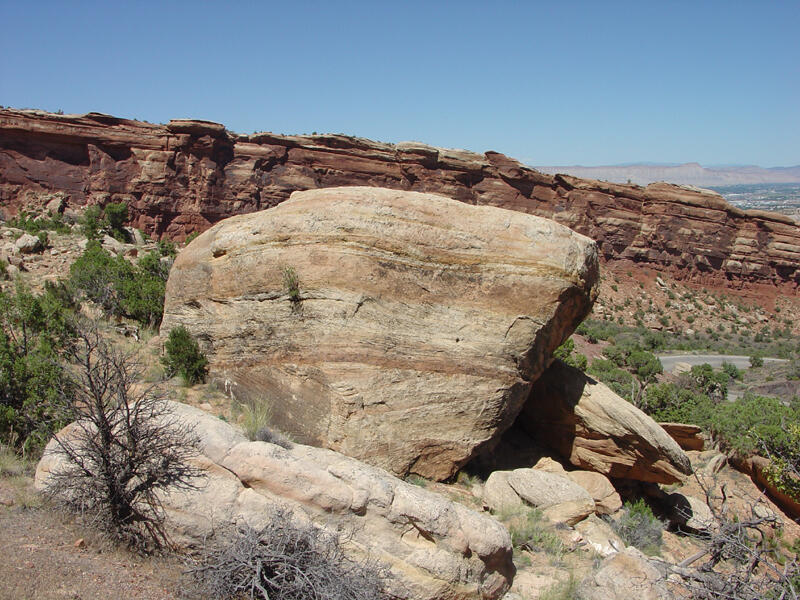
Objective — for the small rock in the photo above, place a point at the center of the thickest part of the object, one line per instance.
(205, 406)
(12, 271)
(690, 512)
(55, 206)
(80, 543)
(28, 243)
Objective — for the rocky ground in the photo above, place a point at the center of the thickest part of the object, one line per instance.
(50, 556)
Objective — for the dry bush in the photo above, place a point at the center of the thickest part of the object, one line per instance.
(739, 563)
(124, 451)
(284, 561)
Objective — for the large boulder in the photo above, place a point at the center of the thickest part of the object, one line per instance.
(432, 547)
(401, 328)
(560, 499)
(598, 431)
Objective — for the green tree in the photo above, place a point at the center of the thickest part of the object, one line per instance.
(183, 356)
(116, 214)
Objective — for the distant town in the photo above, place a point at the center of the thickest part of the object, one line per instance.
(778, 197)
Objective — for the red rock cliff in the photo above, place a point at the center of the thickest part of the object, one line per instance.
(186, 175)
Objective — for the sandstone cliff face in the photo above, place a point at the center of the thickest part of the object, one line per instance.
(187, 175)
(415, 329)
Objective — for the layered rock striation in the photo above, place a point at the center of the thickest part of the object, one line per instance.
(187, 175)
(400, 328)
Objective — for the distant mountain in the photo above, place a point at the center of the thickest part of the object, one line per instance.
(685, 174)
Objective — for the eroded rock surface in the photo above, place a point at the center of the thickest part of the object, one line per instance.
(434, 548)
(596, 430)
(187, 175)
(415, 328)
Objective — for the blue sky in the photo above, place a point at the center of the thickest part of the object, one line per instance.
(549, 83)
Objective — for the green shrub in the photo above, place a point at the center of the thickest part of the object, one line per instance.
(34, 331)
(291, 284)
(530, 531)
(784, 470)
(183, 357)
(637, 526)
(756, 360)
(565, 352)
(731, 370)
(116, 213)
(167, 248)
(121, 288)
(752, 422)
(39, 225)
(668, 402)
(91, 223)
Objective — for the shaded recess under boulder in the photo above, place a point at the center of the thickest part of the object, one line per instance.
(412, 332)
(596, 430)
(434, 549)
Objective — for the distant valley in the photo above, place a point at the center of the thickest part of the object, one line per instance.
(685, 174)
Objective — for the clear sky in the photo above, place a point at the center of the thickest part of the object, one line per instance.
(549, 83)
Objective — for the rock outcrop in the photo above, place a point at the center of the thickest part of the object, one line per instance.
(400, 328)
(187, 175)
(596, 430)
(689, 437)
(434, 549)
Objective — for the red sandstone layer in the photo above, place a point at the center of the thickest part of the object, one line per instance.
(186, 175)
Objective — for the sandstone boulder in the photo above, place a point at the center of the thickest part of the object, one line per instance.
(689, 437)
(400, 328)
(691, 513)
(560, 499)
(626, 575)
(597, 430)
(433, 548)
(606, 499)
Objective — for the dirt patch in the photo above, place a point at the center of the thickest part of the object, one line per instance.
(44, 558)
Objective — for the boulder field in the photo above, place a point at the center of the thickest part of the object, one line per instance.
(399, 328)
(186, 175)
(432, 548)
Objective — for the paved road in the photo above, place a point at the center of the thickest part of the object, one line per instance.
(668, 361)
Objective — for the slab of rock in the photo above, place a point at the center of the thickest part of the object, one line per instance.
(689, 437)
(626, 575)
(606, 499)
(400, 328)
(433, 548)
(560, 499)
(596, 430)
